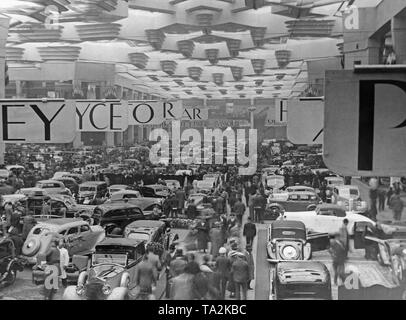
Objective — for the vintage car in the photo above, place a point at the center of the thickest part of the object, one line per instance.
(124, 194)
(150, 231)
(296, 201)
(10, 264)
(160, 189)
(81, 238)
(148, 205)
(112, 272)
(53, 187)
(172, 184)
(350, 198)
(289, 240)
(69, 183)
(300, 280)
(91, 190)
(115, 216)
(274, 182)
(333, 182)
(118, 187)
(327, 218)
(385, 243)
(300, 189)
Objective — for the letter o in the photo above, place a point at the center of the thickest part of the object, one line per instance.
(135, 113)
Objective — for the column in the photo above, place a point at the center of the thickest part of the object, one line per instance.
(399, 39)
(77, 142)
(110, 139)
(130, 135)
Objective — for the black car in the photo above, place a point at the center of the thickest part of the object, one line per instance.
(114, 217)
(300, 280)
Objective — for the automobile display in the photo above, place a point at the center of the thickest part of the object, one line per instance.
(289, 240)
(112, 272)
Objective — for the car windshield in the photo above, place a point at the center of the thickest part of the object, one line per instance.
(139, 236)
(114, 250)
(39, 230)
(87, 189)
(284, 233)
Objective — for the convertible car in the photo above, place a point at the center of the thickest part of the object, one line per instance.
(327, 218)
(112, 272)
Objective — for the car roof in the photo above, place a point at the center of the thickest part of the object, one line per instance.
(291, 224)
(310, 193)
(92, 183)
(48, 181)
(347, 187)
(115, 205)
(119, 186)
(120, 242)
(146, 224)
(309, 266)
(61, 222)
(329, 206)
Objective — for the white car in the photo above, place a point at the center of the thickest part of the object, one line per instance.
(349, 197)
(327, 218)
(53, 186)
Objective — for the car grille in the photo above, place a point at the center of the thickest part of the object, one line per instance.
(94, 291)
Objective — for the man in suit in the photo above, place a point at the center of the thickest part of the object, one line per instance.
(145, 276)
(239, 209)
(249, 231)
(240, 273)
(180, 196)
(223, 267)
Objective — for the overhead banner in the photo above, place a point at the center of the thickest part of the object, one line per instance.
(195, 114)
(37, 121)
(306, 121)
(365, 121)
(101, 116)
(153, 112)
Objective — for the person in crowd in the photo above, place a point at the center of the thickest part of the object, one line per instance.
(46, 208)
(155, 261)
(202, 234)
(191, 210)
(145, 278)
(339, 256)
(344, 235)
(233, 226)
(178, 264)
(180, 197)
(397, 205)
(216, 239)
(53, 258)
(259, 203)
(223, 267)
(381, 199)
(239, 209)
(240, 274)
(389, 194)
(249, 231)
(64, 262)
(224, 228)
(182, 284)
(28, 223)
(169, 256)
(219, 205)
(251, 265)
(373, 196)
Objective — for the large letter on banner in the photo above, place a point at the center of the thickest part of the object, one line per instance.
(101, 116)
(365, 122)
(306, 120)
(153, 112)
(38, 121)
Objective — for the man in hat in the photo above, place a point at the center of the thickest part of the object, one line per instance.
(216, 239)
(223, 267)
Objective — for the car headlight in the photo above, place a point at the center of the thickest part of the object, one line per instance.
(106, 289)
(30, 244)
(289, 252)
(80, 289)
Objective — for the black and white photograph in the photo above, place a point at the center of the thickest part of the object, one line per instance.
(210, 152)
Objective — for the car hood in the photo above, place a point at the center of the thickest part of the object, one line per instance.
(104, 272)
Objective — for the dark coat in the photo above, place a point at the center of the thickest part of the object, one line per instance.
(250, 230)
(240, 271)
(223, 266)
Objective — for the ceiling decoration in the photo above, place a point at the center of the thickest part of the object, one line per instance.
(212, 49)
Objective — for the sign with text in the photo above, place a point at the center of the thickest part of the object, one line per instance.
(101, 116)
(365, 122)
(37, 121)
(306, 121)
(153, 112)
(281, 112)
